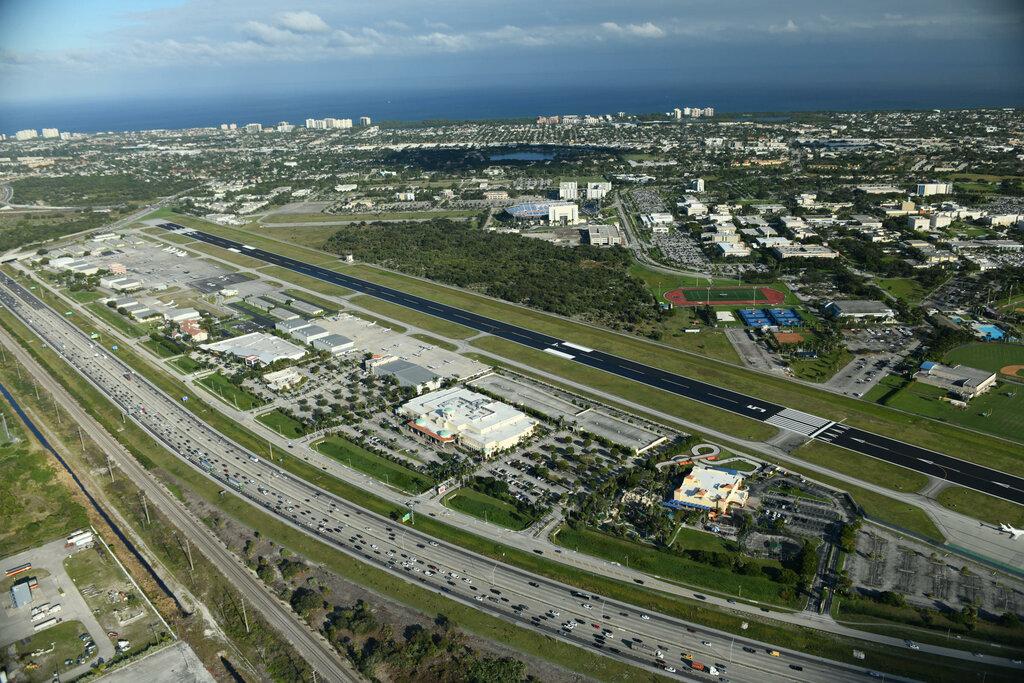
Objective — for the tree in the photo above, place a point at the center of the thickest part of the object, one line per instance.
(304, 600)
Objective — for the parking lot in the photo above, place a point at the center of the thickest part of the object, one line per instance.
(682, 250)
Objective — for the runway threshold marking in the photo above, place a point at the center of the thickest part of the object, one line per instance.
(560, 354)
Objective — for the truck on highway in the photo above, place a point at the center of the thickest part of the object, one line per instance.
(705, 668)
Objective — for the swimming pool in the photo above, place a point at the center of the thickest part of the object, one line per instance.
(989, 331)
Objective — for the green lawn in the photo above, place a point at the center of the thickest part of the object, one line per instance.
(328, 306)
(282, 424)
(220, 387)
(607, 383)
(447, 346)
(66, 645)
(885, 386)
(739, 465)
(863, 467)
(359, 458)
(904, 288)
(674, 567)
(987, 356)
(1000, 411)
(121, 323)
(84, 296)
(822, 368)
(164, 348)
(982, 506)
(489, 509)
(408, 315)
(185, 364)
(34, 505)
(349, 217)
(310, 283)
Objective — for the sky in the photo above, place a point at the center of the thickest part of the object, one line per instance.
(67, 50)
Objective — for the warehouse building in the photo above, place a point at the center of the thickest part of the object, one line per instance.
(333, 343)
(458, 415)
(257, 348)
(405, 373)
(961, 381)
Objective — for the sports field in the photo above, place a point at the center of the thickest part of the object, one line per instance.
(725, 296)
(987, 356)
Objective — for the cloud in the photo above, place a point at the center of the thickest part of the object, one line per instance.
(265, 33)
(644, 30)
(303, 22)
(789, 27)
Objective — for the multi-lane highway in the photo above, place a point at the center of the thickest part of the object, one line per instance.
(907, 455)
(613, 628)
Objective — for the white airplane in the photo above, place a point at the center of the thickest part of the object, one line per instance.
(1014, 533)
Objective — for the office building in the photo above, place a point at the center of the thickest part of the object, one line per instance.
(563, 214)
(598, 190)
(602, 235)
(961, 381)
(472, 420)
(804, 251)
(657, 223)
(567, 191)
(697, 185)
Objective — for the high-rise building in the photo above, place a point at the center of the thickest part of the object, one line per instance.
(567, 190)
(598, 190)
(51, 133)
(27, 134)
(709, 111)
(364, 121)
(233, 126)
(697, 185)
(312, 123)
(285, 127)
(677, 114)
(253, 127)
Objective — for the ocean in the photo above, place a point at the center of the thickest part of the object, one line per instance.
(492, 102)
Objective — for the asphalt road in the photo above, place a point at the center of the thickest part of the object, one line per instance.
(612, 628)
(929, 462)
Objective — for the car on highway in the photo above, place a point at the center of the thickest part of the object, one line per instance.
(912, 645)
(645, 617)
(586, 605)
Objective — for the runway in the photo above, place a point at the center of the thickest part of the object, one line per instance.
(929, 462)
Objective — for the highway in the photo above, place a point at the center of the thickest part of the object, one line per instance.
(612, 628)
(913, 457)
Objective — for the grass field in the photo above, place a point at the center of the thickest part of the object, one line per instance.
(408, 315)
(83, 296)
(66, 645)
(310, 283)
(489, 509)
(370, 217)
(34, 505)
(1000, 411)
(185, 364)
(822, 368)
(220, 387)
(987, 356)
(926, 433)
(676, 567)
(982, 506)
(904, 288)
(604, 382)
(447, 346)
(862, 467)
(163, 348)
(716, 296)
(118, 321)
(328, 306)
(282, 424)
(359, 458)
